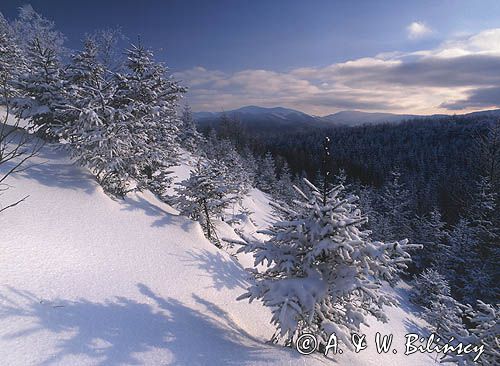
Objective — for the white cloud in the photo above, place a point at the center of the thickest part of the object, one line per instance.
(417, 30)
(459, 73)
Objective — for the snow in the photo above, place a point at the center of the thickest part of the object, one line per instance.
(89, 280)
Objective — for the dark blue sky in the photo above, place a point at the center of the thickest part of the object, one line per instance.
(241, 34)
(276, 36)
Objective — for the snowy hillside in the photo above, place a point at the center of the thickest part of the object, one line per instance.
(87, 280)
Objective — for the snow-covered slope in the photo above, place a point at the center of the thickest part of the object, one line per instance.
(88, 280)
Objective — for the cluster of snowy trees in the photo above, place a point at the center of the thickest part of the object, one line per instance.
(449, 319)
(116, 115)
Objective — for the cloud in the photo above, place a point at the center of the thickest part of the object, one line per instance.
(477, 98)
(459, 74)
(417, 30)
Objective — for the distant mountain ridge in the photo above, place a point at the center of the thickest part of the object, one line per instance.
(279, 117)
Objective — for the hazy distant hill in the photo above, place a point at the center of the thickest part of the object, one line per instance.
(279, 117)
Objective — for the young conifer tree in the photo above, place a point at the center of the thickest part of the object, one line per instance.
(42, 83)
(319, 271)
(205, 195)
(146, 100)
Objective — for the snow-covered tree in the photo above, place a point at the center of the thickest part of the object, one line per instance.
(484, 330)
(42, 82)
(190, 138)
(266, 175)
(460, 259)
(16, 148)
(249, 164)
(205, 195)
(429, 230)
(394, 210)
(224, 152)
(428, 287)
(319, 271)
(444, 314)
(109, 54)
(486, 151)
(284, 188)
(12, 64)
(146, 100)
(484, 214)
(96, 136)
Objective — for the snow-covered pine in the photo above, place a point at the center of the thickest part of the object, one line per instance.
(42, 82)
(462, 264)
(428, 286)
(205, 195)
(145, 100)
(284, 187)
(484, 330)
(12, 64)
(189, 136)
(444, 314)
(394, 210)
(319, 271)
(96, 136)
(224, 152)
(429, 230)
(266, 174)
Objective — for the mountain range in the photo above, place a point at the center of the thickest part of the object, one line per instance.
(279, 117)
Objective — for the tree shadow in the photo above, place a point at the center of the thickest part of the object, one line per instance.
(51, 172)
(118, 330)
(224, 272)
(413, 327)
(163, 217)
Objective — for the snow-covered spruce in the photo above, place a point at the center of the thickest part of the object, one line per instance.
(146, 100)
(205, 195)
(486, 330)
(95, 136)
(394, 210)
(321, 272)
(483, 331)
(429, 230)
(428, 286)
(42, 80)
(189, 136)
(266, 174)
(224, 151)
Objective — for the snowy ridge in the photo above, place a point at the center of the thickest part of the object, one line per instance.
(88, 280)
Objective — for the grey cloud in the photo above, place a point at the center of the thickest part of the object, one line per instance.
(479, 98)
(431, 71)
